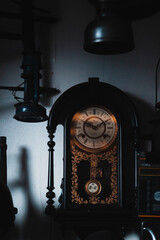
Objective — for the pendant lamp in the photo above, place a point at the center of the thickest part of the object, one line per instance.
(30, 112)
(110, 32)
(28, 108)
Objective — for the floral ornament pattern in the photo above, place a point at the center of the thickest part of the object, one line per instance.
(109, 156)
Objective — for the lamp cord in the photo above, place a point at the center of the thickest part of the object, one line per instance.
(14, 92)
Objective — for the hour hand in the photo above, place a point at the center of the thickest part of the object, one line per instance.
(100, 124)
(89, 124)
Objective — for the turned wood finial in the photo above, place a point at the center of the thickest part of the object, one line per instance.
(50, 194)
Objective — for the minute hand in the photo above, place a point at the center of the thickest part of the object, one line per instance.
(98, 125)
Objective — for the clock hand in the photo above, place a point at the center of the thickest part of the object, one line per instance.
(94, 127)
(104, 122)
(107, 120)
(99, 124)
(87, 123)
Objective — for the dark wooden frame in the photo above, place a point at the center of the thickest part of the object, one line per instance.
(94, 92)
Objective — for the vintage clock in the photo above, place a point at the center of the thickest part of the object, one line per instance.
(99, 184)
(94, 179)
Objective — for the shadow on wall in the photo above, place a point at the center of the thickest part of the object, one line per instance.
(35, 225)
(145, 114)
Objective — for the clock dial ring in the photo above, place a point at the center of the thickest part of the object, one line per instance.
(93, 128)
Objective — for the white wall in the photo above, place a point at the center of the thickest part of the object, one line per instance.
(65, 64)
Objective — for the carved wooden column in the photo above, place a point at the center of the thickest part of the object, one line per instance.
(50, 194)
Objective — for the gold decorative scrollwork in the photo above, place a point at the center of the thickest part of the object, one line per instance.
(109, 156)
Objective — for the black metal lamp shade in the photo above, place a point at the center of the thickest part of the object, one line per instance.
(30, 112)
(110, 32)
(109, 35)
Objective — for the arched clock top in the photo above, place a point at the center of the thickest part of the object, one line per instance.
(89, 93)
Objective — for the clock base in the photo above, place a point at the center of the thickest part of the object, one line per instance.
(87, 224)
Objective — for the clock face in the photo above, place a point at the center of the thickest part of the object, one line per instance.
(94, 128)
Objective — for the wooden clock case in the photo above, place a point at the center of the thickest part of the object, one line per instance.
(88, 218)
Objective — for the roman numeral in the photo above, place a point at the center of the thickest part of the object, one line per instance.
(106, 135)
(86, 113)
(81, 135)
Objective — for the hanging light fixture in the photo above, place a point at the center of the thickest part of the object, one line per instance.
(30, 112)
(28, 109)
(110, 32)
